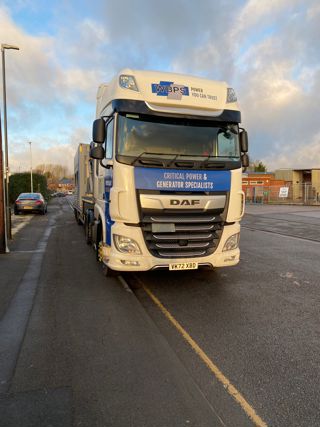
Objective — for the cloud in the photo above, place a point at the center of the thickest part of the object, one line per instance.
(38, 72)
(28, 66)
(216, 63)
(52, 153)
(257, 14)
(305, 156)
(278, 79)
(47, 102)
(169, 35)
(267, 50)
(84, 44)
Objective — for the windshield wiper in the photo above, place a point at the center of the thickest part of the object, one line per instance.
(173, 160)
(137, 158)
(206, 160)
(150, 160)
(179, 160)
(206, 157)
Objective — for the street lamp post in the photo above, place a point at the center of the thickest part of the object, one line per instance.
(3, 234)
(7, 207)
(31, 181)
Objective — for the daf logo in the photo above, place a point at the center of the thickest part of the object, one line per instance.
(184, 202)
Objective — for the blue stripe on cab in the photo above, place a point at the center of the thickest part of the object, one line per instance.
(182, 180)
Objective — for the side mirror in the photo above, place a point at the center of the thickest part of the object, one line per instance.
(97, 152)
(244, 141)
(245, 160)
(107, 165)
(98, 131)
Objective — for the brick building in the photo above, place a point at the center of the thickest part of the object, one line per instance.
(283, 186)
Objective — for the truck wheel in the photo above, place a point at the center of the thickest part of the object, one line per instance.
(87, 231)
(107, 272)
(98, 249)
(77, 217)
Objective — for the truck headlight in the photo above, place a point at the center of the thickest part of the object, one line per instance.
(232, 243)
(128, 82)
(231, 95)
(126, 245)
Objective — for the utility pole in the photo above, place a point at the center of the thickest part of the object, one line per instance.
(31, 181)
(5, 47)
(3, 234)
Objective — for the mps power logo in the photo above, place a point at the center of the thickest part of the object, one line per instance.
(170, 90)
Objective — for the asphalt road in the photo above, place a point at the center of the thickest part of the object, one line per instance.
(234, 347)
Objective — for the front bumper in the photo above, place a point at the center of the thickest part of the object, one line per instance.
(145, 261)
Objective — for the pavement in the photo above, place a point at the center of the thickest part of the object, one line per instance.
(75, 350)
(259, 209)
(79, 349)
(288, 220)
(258, 321)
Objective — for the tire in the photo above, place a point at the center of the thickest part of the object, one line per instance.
(77, 217)
(106, 271)
(98, 244)
(87, 231)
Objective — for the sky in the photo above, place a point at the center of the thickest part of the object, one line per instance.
(268, 50)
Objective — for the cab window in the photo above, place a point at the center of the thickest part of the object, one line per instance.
(109, 140)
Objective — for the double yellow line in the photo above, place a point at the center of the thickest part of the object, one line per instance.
(248, 409)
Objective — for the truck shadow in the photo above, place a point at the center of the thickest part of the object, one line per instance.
(210, 281)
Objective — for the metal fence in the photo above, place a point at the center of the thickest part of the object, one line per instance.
(304, 194)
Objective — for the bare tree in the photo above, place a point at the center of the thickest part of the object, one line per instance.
(52, 171)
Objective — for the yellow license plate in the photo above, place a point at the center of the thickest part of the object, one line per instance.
(27, 207)
(183, 266)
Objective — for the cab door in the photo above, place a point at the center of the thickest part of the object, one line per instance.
(103, 184)
(108, 177)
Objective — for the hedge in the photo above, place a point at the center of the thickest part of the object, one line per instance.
(20, 183)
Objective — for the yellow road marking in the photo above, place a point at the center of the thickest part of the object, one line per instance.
(248, 409)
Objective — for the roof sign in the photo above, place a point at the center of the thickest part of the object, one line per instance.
(170, 89)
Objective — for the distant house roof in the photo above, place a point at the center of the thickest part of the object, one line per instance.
(298, 169)
(259, 173)
(65, 181)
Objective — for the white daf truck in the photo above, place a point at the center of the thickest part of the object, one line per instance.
(163, 174)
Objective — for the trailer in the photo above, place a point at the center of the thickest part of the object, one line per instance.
(83, 201)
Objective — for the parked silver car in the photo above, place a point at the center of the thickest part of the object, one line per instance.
(30, 202)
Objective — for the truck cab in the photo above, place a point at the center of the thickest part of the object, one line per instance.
(167, 158)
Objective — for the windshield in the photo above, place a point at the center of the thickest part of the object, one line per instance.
(144, 136)
(29, 196)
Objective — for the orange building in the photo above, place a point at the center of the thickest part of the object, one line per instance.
(261, 187)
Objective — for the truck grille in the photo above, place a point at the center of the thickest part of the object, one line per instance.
(182, 236)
